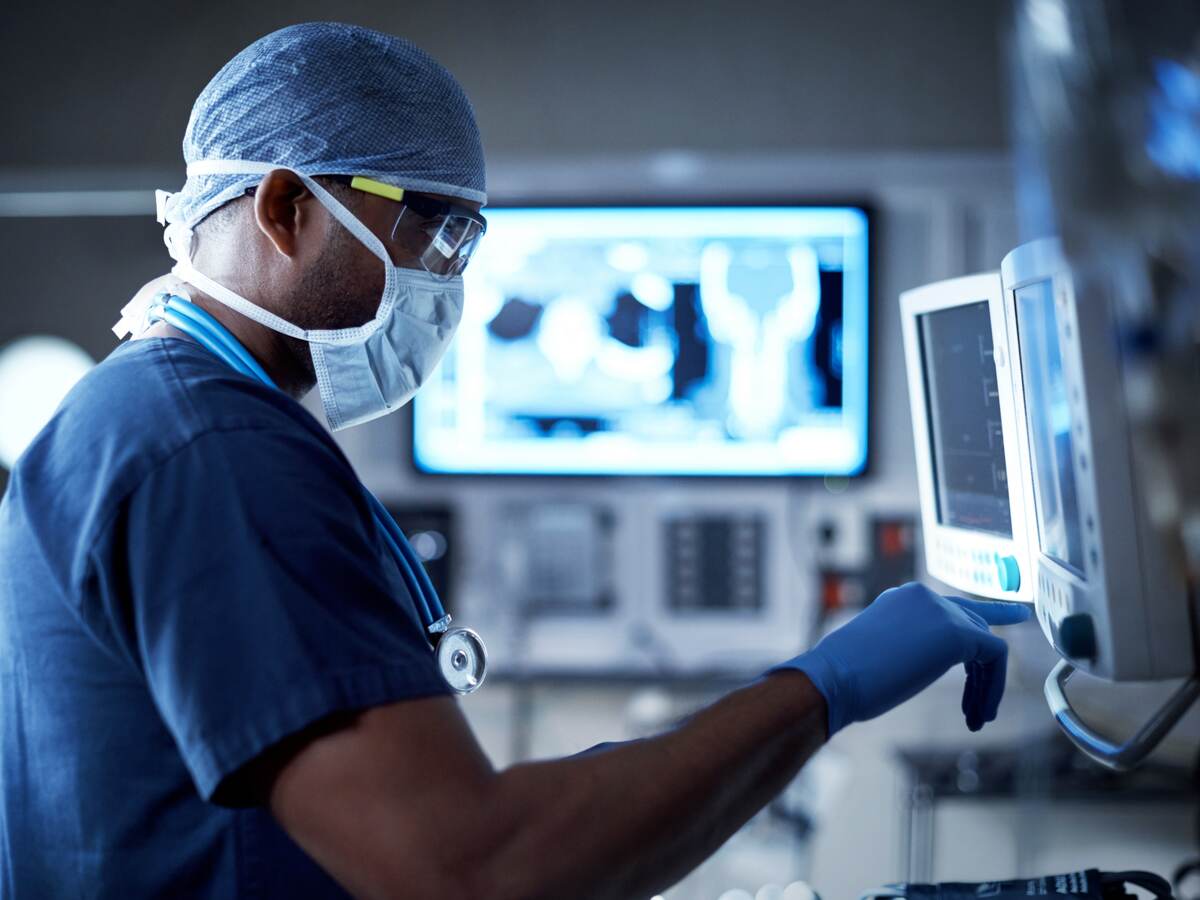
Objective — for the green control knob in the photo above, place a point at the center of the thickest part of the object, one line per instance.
(1077, 636)
(1008, 573)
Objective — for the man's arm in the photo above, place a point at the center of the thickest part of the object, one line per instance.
(403, 803)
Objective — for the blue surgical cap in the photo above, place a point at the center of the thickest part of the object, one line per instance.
(325, 98)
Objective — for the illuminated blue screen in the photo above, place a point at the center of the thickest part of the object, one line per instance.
(656, 341)
(1056, 493)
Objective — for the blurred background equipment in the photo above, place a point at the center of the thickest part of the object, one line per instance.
(714, 564)
(1047, 771)
(561, 558)
(1089, 884)
(1108, 125)
(431, 532)
(35, 374)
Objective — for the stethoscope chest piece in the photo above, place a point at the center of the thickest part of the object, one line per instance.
(462, 659)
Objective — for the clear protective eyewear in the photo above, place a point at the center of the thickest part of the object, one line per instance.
(441, 235)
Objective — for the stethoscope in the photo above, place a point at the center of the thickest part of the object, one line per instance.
(461, 654)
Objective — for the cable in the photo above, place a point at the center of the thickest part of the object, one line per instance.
(212, 334)
(410, 557)
(1182, 874)
(1155, 884)
(402, 561)
(173, 318)
(1191, 867)
(215, 329)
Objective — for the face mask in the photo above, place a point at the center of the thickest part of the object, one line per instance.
(363, 372)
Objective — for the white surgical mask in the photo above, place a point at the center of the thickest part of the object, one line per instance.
(362, 372)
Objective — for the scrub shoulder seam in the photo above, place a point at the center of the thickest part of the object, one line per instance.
(172, 454)
(169, 357)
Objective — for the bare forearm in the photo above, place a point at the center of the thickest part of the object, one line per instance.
(402, 801)
(632, 820)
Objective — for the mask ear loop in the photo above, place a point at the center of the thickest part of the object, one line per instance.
(355, 226)
(351, 222)
(343, 215)
(179, 243)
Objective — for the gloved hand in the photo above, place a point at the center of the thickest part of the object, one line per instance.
(901, 644)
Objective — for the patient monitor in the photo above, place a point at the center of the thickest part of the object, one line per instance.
(1028, 485)
(973, 504)
(1107, 594)
(1107, 597)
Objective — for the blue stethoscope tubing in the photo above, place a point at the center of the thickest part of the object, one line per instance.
(214, 337)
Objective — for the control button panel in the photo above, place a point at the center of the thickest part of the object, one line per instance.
(970, 568)
(1008, 573)
(715, 562)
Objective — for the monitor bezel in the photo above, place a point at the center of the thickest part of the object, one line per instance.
(860, 204)
(944, 543)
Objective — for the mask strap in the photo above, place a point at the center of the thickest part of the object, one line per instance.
(348, 219)
(339, 212)
(185, 271)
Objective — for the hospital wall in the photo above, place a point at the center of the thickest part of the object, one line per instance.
(546, 78)
(898, 105)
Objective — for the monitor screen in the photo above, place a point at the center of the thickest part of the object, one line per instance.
(1049, 417)
(965, 431)
(657, 341)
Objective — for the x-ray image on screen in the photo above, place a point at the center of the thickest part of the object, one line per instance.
(691, 341)
(965, 431)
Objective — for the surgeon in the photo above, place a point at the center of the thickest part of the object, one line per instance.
(214, 680)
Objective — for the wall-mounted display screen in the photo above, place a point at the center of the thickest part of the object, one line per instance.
(1046, 403)
(657, 341)
(965, 430)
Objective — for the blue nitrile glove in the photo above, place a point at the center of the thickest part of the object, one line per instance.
(903, 642)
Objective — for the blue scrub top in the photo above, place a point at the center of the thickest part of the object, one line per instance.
(189, 572)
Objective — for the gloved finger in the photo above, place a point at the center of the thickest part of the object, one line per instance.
(972, 700)
(995, 612)
(987, 672)
(974, 618)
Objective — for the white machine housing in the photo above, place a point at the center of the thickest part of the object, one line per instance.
(983, 563)
(1124, 614)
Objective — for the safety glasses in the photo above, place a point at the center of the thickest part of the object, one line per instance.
(442, 235)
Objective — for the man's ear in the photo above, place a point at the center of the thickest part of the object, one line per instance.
(281, 209)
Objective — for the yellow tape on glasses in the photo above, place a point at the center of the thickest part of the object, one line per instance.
(371, 186)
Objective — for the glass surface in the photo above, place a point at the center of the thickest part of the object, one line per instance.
(657, 340)
(965, 431)
(1049, 416)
